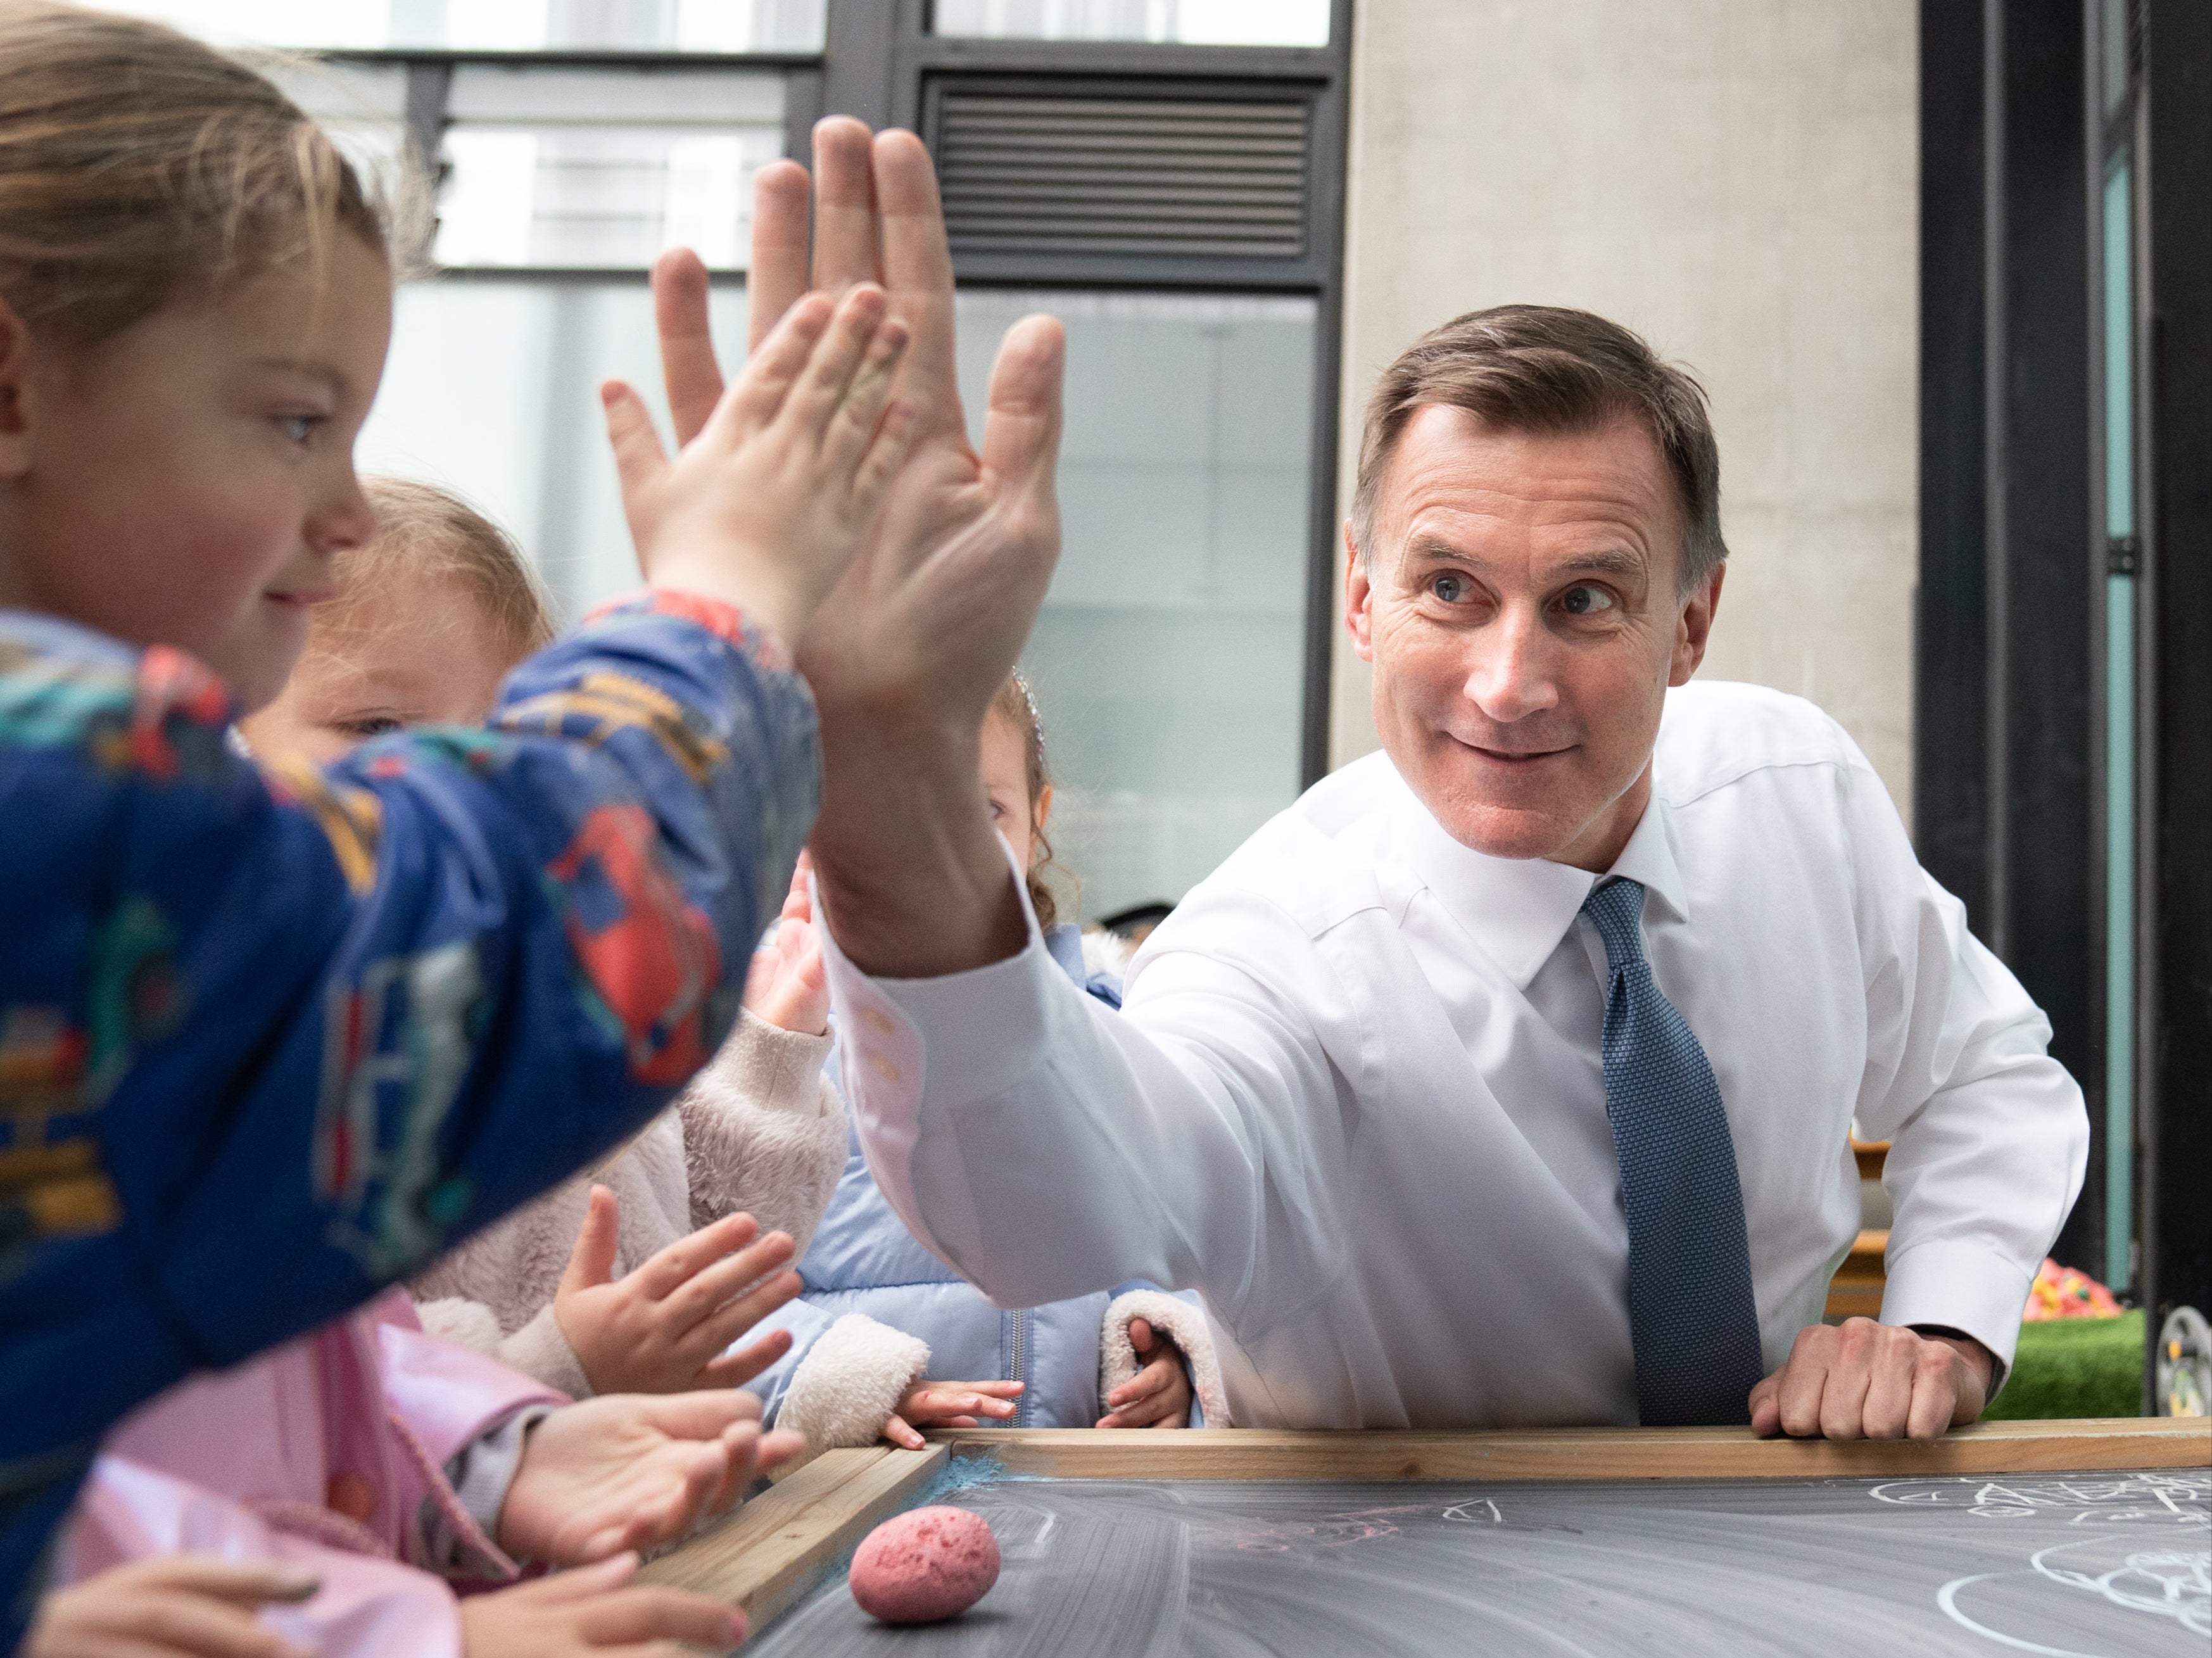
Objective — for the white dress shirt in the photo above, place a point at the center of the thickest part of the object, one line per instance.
(1356, 1100)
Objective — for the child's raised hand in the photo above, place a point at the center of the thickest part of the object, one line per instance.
(662, 1329)
(1158, 1395)
(574, 1613)
(789, 984)
(632, 1470)
(948, 1404)
(181, 1605)
(773, 499)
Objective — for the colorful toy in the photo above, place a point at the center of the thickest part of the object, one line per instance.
(2063, 1292)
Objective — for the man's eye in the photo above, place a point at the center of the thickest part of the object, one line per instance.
(1450, 588)
(1584, 600)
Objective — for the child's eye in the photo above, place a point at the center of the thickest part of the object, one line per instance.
(368, 726)
(299, 428)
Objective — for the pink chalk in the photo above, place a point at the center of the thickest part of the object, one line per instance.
(929, 1563)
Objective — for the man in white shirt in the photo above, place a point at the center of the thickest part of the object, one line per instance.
(1507, 1076)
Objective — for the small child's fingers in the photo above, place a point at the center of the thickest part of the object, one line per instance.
(711, 1334)
(886, 453)
(836, 359)
(683, 1261)
(901, 1433)
(853, 427)
(717, 1281)
(760, 391)
(1143, 1385)
(735, 1369)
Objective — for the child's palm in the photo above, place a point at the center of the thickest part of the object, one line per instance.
(789, 984)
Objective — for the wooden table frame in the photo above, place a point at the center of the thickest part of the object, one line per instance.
(773, 1550)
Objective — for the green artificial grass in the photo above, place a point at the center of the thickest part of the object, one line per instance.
(2073, 1367)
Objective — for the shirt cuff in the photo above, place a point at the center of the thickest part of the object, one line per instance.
(1964, 1285)
(480, 1473)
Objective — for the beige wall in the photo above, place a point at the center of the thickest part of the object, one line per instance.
(1737, 179)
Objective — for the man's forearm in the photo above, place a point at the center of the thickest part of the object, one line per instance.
(913, 878)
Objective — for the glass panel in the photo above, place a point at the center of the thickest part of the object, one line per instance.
(501, 25)
(2114, 50)
(1169, 662)
(2119, 735)
(492, 389)
(1183, 23)
(601, 169)
(363, 107)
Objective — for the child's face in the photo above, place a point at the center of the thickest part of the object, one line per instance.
(1006, 787)
(186, 481)
(419, 652)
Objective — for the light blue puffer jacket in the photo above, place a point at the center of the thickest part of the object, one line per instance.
(863, 1259)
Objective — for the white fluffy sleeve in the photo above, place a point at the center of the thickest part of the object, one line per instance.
(851, 1382)
(1180, 1323)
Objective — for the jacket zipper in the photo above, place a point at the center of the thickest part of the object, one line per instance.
(1018, 1347)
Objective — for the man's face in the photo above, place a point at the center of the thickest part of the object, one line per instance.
(1520, 605)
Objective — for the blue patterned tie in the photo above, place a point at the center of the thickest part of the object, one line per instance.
(1690, 1308)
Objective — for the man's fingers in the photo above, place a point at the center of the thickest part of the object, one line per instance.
(917, 267)
(1888, 1402)
(1803, 1380)
(1934, 1392)
(844, 204)
(1021, 427)
(681, 317)
(1766, 1405)
(675, 1266)
(735, 1369)
(782, 194)
(591, 1262)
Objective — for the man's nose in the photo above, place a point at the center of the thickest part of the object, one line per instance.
(1512, 675)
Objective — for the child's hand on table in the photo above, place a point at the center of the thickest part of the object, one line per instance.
(593, 1611)
(181, 1605)
(632, 1470)
(948, 1404)
(662, 1328)
(1158, 1395)
(788, 985)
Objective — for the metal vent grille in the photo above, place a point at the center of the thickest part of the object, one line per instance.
(1200, 178)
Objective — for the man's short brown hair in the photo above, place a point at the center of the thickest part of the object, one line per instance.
(1547, 369)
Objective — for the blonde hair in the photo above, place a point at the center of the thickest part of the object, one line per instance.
(429, 534)
(1016, 706)
(140, 168)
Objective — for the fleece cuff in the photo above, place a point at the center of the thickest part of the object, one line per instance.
(851, 1382)
(1180, 1323)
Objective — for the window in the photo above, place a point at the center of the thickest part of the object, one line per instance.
(522, 25)
(1183, 23)
(1168, 658)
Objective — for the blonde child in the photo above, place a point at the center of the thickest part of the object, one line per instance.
(884, 1327)
(267, 1044)
(637, 1275)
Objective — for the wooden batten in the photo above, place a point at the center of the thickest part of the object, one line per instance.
(766, 1555)
(1988, 1448)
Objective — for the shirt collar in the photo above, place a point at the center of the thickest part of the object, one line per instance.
(1517, 910)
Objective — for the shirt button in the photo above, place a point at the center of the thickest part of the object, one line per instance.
(884, 1068)
(876, 1020)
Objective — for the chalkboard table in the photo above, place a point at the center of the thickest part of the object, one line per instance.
(2072, 1538)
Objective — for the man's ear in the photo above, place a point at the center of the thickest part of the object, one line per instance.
(16, 355)
(1695, 627)
(1357, 596)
